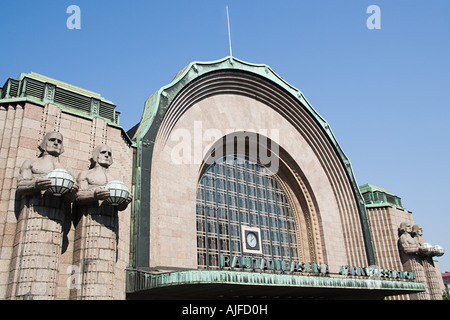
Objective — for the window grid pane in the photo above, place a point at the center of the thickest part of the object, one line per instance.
(235, 192)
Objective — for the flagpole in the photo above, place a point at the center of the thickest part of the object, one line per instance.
(229, 32)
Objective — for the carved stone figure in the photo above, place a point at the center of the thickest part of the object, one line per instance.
(33, 174)
(411, 255)
(408, 245)
(42, 224)
(417, 233)
(96, 234)
(431, 274)
(93, 181)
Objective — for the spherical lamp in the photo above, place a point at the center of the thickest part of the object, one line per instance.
(62, 182)
(118, 192)
(427, 246)
(438, 250)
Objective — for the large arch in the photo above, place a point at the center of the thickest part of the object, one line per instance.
(232, 95)
(289, 176)
(268, 154)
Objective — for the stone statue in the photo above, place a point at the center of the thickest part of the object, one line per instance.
(432, 281)
(41, 224)
(417, 233)
(33, 174)
(92, 182)
(96, 231)
(411, 256)
(408, 245)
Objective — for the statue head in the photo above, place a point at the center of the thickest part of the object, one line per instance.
(102, 155)
(52, 144)
(405, 227)
(417, 230)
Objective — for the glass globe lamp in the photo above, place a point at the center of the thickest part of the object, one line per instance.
(438, 250)
(428, 246)
(62, 182)
(118, 192)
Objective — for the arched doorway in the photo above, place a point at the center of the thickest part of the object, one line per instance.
(242, 210)
(252, 201)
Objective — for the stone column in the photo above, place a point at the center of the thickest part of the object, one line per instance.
(96, 237)
(96, 229)
(431, 276)
(40, 226)
(38, 244)
(410, 254)
(415, 264)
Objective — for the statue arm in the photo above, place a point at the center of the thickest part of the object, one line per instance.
(71, 196)
(28, 183)
(407, 248)
(89, 195)
(84, 194)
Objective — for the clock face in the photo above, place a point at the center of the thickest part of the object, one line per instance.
(252, 240)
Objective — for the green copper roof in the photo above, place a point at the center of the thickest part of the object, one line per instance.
(63, 85)
(197, 69)
(372, 188)
(378, 197)
(40, 90)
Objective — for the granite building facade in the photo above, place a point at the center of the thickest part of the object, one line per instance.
(32, 106)
(237, 188)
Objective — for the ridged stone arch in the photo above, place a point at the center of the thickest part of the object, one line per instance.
(231, 76)
(292, 180)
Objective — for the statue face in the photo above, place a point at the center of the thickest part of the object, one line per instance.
(105, 156)
(419, 231)
(408, 228)
(54, 144)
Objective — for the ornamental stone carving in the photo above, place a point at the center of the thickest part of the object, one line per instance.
(431, 273)
(46, 191)
(409, 245)
(96, 232)
(416, 255)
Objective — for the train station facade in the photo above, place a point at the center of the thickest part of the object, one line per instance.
(232, 186)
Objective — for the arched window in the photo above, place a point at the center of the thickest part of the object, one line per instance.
(242, 211)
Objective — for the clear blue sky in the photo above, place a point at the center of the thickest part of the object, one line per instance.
(385, 93)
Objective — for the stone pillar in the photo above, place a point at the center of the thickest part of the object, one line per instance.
(416, 256)
(96, 239)
(96, 228)
(413, 263)
(431, 276)
(434, 287)
(40, 229)
(38, 244)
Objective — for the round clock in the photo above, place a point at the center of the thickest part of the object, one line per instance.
(252, 240)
